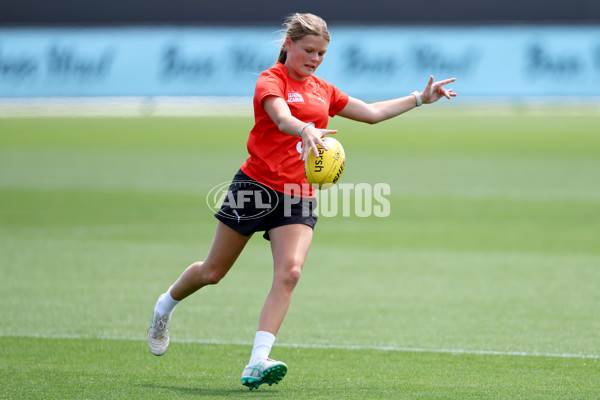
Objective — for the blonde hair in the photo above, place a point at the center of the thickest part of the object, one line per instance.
(299, 25)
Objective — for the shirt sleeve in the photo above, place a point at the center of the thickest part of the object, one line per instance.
(269, 84)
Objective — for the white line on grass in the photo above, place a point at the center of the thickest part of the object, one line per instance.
(323, 346)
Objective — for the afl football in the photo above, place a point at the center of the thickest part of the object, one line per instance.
(327, 169)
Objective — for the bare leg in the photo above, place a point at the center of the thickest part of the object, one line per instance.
(289, 245)
(225, 249)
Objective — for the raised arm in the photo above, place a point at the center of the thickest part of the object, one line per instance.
(373, 113)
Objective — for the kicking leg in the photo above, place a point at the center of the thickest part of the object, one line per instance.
(289, 245)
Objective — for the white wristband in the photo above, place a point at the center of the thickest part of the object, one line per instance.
(418, 98)
(302, 130)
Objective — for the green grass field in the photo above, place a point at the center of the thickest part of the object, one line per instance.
(483, 283)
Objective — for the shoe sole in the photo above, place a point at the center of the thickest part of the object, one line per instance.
(157, 351)
(271, 376)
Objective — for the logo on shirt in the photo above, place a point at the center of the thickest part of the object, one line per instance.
(294, 97)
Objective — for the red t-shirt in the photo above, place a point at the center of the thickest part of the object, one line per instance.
(275, 156)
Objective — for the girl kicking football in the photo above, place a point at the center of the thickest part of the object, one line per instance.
(292, 107)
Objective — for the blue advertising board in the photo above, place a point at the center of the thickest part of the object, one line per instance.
(365, 62)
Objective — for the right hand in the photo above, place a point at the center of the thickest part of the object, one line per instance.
(311, 137)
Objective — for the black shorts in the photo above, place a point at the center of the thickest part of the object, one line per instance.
(250, 206)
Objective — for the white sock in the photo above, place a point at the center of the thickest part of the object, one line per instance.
(165, 303)
(263, 341)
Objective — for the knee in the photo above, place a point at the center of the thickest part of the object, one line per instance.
(206, 274)
(290, 276)
(213, 278)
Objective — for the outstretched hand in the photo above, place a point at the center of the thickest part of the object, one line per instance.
(311, 137)
(435, 91)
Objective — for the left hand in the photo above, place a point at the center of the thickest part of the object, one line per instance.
(435, 91)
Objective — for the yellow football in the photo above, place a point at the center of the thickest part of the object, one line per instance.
(328, 168)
